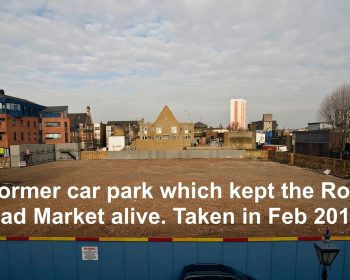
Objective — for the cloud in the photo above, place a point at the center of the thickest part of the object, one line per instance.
(127, 59)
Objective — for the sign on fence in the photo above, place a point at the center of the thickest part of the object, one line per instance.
(89, 253)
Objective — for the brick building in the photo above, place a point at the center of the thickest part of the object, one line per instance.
(130, 128)
(55, 125)
(166, 133)
(19, 122)
(82, 129)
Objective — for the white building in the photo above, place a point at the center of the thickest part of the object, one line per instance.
(260, 138)
(319, 126)
(116, 143)
(238, 113)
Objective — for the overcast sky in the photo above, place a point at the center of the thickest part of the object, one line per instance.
(127, 59)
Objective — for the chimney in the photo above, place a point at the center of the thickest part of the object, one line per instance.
(2, 92)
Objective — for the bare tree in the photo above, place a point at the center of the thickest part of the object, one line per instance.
(235, 125)
(335, 109)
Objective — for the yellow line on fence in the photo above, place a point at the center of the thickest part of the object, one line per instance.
(52, 238)
(271, 239)
(180, 239)
(340, 238)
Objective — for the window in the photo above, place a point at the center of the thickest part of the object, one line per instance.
(34, 136)
(159, 130)
(97, 128)
(22, 136)
(0, 136)
(173, 129)
(143, 130)
(53, 136)
(34, 123)
(11, 106)
(15, 136)
(21, 122)
(28, 136)
(28, 123)
(52, 124)
(13, 122)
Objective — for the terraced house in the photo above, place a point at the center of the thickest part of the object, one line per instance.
(82, 129)
(166, 133)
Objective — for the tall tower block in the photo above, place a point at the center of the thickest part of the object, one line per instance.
(238, 113)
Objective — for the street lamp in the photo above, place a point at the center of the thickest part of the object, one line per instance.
(326, 252)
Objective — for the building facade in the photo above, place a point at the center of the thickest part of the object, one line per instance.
(238, 114)
(82, 129)
(200, 133)
(55, 125)
(166, 133)
(322, 142)
(266, 124)
(130, 128)
(19, 122)
(319, 126)
(99, 135)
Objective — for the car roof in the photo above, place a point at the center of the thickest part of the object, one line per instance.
(213, 270)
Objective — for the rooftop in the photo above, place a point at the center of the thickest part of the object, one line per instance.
(56, 109)
(77, 118)
(200, 125)
(5, 96)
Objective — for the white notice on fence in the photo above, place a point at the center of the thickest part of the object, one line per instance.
(89, 253)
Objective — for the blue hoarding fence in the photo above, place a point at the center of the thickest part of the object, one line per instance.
(162, 259)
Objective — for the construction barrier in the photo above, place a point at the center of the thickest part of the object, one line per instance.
(182, 154)
(92, 155)
(336, 166)
(31, 154)
(85, 258)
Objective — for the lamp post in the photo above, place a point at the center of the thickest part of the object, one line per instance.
(326, 252)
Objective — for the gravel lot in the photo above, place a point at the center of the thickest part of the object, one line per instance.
(157, 173)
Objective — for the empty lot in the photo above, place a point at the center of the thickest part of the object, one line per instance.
(157, 173)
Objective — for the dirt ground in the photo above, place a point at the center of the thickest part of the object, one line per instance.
(168, 172)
